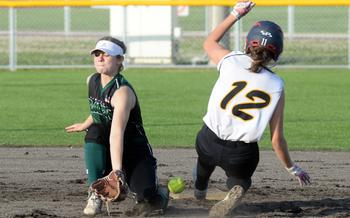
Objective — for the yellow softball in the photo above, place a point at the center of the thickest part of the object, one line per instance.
(176, 185)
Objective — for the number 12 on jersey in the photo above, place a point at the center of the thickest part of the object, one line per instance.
(238, 109)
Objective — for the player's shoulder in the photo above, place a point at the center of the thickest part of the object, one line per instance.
(92, 77)
(121, 81)
(124, 94)
(273, 77)
(232, 57)
(271, 73)
(88, 78)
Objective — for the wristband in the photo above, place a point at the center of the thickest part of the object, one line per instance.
(236, 14)
(294, 169)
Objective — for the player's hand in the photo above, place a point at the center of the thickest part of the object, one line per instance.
(77, 127)
(302, 176)
(242, 8)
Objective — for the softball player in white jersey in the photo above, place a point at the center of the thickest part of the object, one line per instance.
(246, 98)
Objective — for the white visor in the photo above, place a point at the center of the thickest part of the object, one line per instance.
(108, 47)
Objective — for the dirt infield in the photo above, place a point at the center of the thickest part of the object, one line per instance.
(51, 182)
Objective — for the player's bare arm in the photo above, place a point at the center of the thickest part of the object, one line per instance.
(78, 127)
(278, 140)
(280, 145)
(122, 101)
(211, 45)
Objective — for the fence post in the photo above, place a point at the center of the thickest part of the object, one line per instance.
(207, 18)
(219, 13)
(125, 32)
(237, 29)
(290, 21)
(12, 36)
(67, 20)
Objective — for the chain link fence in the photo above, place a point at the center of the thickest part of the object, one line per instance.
(63, 37)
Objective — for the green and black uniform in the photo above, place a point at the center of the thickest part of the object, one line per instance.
(139, 164)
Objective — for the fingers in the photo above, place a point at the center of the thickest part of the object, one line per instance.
(302, 176)
(251, 5)
(304, 179)
(242, 8)
(245, 4)
(69, 129)
(74, 128)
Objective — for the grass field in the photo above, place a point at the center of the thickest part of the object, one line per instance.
(38, 104)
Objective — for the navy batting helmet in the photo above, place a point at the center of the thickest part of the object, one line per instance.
(267, 34)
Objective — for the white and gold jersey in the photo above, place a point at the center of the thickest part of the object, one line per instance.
(242, 102)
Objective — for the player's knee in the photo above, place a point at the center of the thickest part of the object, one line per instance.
(245, 183)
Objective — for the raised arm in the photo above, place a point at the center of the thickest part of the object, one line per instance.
(211, 45)
(280, 145)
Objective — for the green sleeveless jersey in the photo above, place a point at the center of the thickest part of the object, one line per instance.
(102, 111)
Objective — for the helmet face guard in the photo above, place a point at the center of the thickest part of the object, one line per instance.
(266, 34)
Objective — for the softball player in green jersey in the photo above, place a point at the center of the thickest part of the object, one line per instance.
(246, 98)
(115, 138)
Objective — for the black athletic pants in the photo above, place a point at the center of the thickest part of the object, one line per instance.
(238, 159)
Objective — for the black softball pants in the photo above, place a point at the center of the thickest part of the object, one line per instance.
(238, 159)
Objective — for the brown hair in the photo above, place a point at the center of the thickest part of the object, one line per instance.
(261, 57)
(119, 43)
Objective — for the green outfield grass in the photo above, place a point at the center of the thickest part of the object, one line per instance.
(38, 104)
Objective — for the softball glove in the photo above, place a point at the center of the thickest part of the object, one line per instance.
(112, 187)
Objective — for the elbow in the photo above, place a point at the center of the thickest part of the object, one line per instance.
(279, 143)
(206, 45)
(116, 139)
